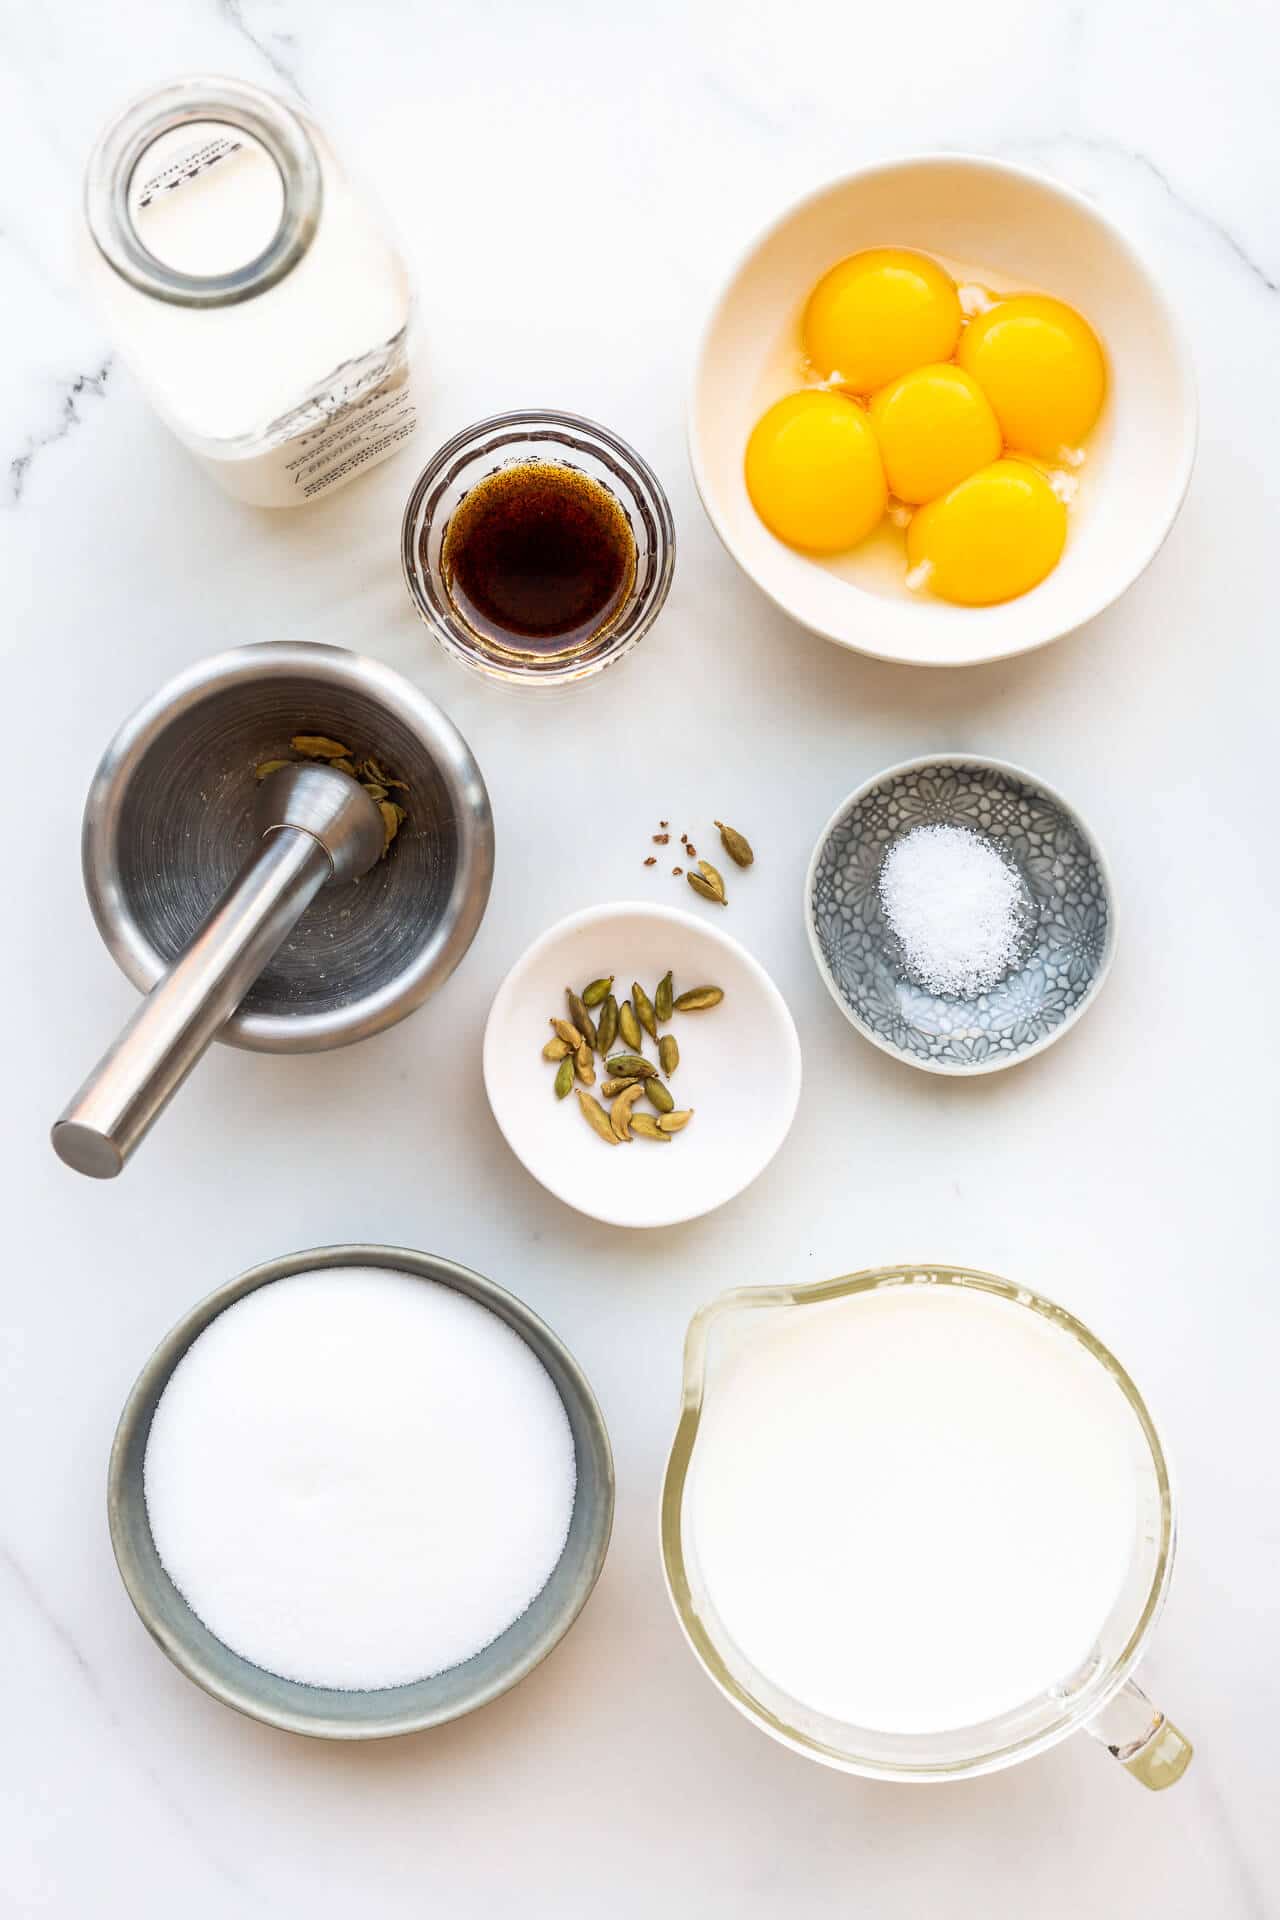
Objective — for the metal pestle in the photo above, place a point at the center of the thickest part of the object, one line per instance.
(315, 825)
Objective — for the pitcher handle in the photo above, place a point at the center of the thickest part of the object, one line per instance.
(1138, 1735)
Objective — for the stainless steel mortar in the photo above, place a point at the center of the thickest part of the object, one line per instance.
(169, 825)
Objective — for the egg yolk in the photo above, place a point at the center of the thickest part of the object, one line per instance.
(1041, 367)
(878, 314)
(935, 427)
(991, 538)
(814, 472)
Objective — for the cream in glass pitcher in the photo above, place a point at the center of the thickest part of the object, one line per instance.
(918, 1524)
(250, 288)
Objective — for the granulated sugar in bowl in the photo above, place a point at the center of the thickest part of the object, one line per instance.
(357, 1479)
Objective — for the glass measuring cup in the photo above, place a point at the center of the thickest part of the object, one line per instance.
(1099, 1696)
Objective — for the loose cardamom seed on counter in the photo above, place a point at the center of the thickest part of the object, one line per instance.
(644, 1009)
(596, 992)
(668, 1054)
(662, 998)
(658, 1096)
(595, 1116)
(630, 1066)
(629, 1027)
(736, 845)
(607, 1025)
(675, 1122)
(696, 999)
(581, 1018)
(564, 1076)
(648, 1128)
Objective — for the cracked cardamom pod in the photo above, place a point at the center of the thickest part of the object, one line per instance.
(595, 1116)
(392, 815)
(736, 845)
(668, 1054)
(607, 1025)
(629, 1027)
(644, 1009)
(317, 746)
(595, 993)
(620, 1114)
(662, 998)
(699, 998)
(564, 1077)
(630, 1066)
(712, 883)
(648, 1128)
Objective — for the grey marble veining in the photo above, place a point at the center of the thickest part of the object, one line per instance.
(570, 183)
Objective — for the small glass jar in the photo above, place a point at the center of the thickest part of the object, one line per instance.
(517, 439)
(250, 289)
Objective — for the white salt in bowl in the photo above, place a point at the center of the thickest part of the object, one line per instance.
(739, 1066)
(374, 1713)
(1026, 230)
(1066, 896)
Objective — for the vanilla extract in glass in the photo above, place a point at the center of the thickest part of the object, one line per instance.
(539, 559)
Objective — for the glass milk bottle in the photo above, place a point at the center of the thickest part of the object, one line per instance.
(250, 289)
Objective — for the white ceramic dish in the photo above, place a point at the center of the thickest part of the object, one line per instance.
(742, 1111)
(1023, 229)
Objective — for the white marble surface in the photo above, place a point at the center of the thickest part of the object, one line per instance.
(569, 186)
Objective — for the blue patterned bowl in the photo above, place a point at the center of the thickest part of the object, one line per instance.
(1071, 919)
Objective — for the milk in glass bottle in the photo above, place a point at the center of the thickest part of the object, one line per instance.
(250, 289)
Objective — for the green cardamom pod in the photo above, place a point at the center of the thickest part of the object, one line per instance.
(581, 1018)
(705, 888)
(564, 1076)
(595, 993)
(713, 877)
(658, 1096)
(697, 998)
(612, 1088)
(644, 1010)
(607, 1025)
(596, 1117)
(675, 1122)
(557, 1049)
(736, 845)
(570, 1035)
(583, 1061)
(668, 1054)
(630, 1066)
(648, 1128)
(629, 1027)
(317, 746)
(662, 998)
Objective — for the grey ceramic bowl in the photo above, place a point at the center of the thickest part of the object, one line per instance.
(326, 1712)
(169, 820)
(1068, 901)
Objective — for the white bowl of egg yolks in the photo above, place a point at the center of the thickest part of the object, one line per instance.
(1008, 230)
